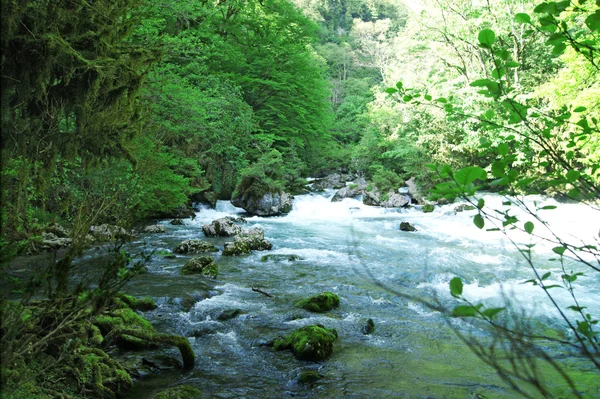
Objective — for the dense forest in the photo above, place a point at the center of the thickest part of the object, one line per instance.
(114, 113)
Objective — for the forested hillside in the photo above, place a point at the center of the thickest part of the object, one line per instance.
(115, 113)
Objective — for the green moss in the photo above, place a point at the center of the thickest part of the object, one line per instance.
(280, 257)
(427, 208)
(143, 304)
(311, 343)
(309, 377)
(179, 392)
(204, 265)
(320, 303)
(237, 248)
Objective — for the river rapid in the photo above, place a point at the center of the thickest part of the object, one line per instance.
(359, 253)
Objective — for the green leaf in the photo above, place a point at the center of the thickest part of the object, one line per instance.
(464, 311)
(427, 97)
(546, 275)
(480, 203)
(522, 18)
(503, 149)
(456, 287)
(579, 109)
(478, 221)
(593, 21)
(549, 207)
(529, 227)
(559, 49)
(407, 98)
(487, 37)
(491, 312)
(498, 168)
(547, 287)
(469, 174)
(559, 250)
(399, 85)
(572, 175)
(512, 64)
(489, 114)
(391, 90)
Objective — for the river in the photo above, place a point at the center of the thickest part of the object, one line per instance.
(359, 253)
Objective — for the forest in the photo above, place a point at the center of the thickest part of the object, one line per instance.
(116, 114)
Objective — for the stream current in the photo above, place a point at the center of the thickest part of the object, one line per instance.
(359, 253)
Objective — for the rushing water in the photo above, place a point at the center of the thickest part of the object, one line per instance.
(348, 248)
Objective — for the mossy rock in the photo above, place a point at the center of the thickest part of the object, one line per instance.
(177, 222)
(280, 257)
(405, 226)
(369, 327)
(309, 377)
(312, 343)
(320, 303)
(143, 304)
(179, 392)
(237, 248)
(204, 265)
(194, 247)
(464, 207)
(427, 208)
(229, 314)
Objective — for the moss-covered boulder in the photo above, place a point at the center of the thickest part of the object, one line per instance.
(309, 377)
(247, 241)
(320, 303)
(204, 265)
(405, 226)
(177, 222)
(155, 229)
(195, 247)
(312, 343)
(179, 392)
(236, 248)
(427, 208)
(143, 304)
(257, 196)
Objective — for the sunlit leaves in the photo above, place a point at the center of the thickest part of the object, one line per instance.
(529, 226)
(522, 18)
(479, 221)
(486, 37)
(456, 287)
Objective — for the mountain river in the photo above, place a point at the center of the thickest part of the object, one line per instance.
(359, 253)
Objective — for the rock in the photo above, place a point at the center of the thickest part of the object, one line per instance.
(58, 230)
(50, 242)
(189, 300)
(270, 204)
(369, 327)
(229, 314)
(389, 200)
(107, 232)
(181, 212)
(142, 304)
(313, 343)
(247, 241)
(223, 227)
(280, 257)
(261, 198)
(195, 247)
(179, 392)
(177, 222)
(464, 207)
(309, 377)
(320, 303)
(154, 229)
(204, 265)
(346, 192)
(413, 190)
(334, 180)
(211, 198)
(427, 208)
(405, 226)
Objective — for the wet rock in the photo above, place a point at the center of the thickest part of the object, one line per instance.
(320, 303)
(229, 314)
(369, 327)
(389, 200)
(177, 222)
(223, 227)
(405, 226)
(107, 232)
(204, 265)
(142, 304)
(280, 257)
(428, 208)
(179, 392)
(413, 190)
(189, 300)
(312, 343)
(309, 377)
(269, 204)
(194, 247)
(247, 241)
(50, 242)
(334, 180)
(58, 230)
(464, 207)
(155, 229)
(181, 212)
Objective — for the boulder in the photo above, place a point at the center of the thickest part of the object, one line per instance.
(313, 343)
(389, 200)
(280, 257)
(177, 222)
(334, 180)
(413, 190)
(369, 327)
(269, 204)
(428, 208)
(223, 227)
(204, 265)
(320, 303)
(229, 314)
(247, 241)
(405, 226)
(154, 229)
(309, 377)
(181, 212)
(194, 247)
(108, 232)
(51, 242)
(58, 230)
